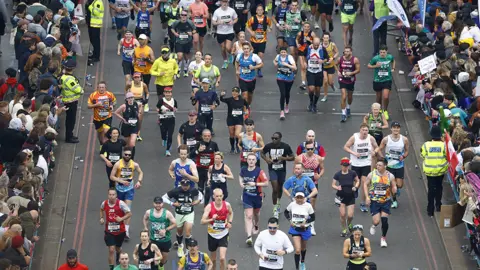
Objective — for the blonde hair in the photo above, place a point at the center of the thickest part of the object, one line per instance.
(376, 106)
(220, 154)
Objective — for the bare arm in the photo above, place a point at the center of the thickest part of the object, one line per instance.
(368, 249)
(346, 248)
(140, 172)
(407, 147)
(229, 174)
(348, 145)
(383, 144)
(119, 111)
(113, 176)
(194, 176)
(135, 254)
(173, 221)
(170, 170)
(205, 220)
(366, 185)
(146, 219)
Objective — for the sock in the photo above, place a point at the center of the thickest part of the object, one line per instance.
(117, 257)
(315, 100)
(394, 197)
(297, 260)
(133, 149)
(384, 226)
(187, 239)
(232, 143)
(348, 106)
(127, 227)
(303, 83)
(236, 143)
(186, 64)
(179, 239)
(310, 96)
(303, 252)
(344, 111)
(111, 266)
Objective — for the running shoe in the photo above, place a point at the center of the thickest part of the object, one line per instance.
(350, 227)
(232, 151)
(185, 73)
(276, 210)
(348, 112)
(314, 108)
(394, 204)
(324, 99)
(167, 153)
(286, 109)
(312, 229)
(180, 252)
(230, 59)
(310, 107)
(249, 241)
(302, 266)
(363, 207)
(373, 230)
(175, 245)
(260, 74)
(303, 86)
(225, 65)
(385, 113)
(139, 139)
(344, 233)
(256, 230)
(330, 26)
(127, 235)
(344, 118)
(282, 115)
(146, 108)
(383, 242)
(164, 143)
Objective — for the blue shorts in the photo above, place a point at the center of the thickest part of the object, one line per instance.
(127, 195)
(291, 41)
(254, 202)
(122, 22)
(305, 235)
(277, 176)
(376, 208)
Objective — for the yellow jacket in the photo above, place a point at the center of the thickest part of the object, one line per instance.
(96, 12)
(435, 158)
(169, 68)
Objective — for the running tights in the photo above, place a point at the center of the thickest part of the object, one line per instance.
(167, 127)
(313, 98)
(206, 120)
(384, 226)
(284, 88)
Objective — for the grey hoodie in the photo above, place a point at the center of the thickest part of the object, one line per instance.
(37, 29)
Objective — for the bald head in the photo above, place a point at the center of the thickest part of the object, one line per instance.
(218, 195)
(16, 228)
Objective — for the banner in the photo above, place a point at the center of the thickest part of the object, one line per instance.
(451, 157)
(422, 8)
(379, 22)
(398, 10)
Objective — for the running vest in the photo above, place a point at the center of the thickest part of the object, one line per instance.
(144, 255)
(372, 124)
(125, 171)
(393, 151)
(157, 224)
(329, 50)
(217, 228)
(186, 167)
(299, 185)
(289, 18)
(204, 160)
(259, 29)
(131, 114)
(305, 40)
(111, 225)
(284, 73)
(363, 147)
(247, 145)
(280, 15)
(313, 59)
(316, 145)
(143, 19)
(218, 181)
(210, 74)
(137, 91)
(166, 110)
(354, 249)
(246, 74)
(379, 190)
(345, 65)
(250, 176)
(199, 265)
(349, 7)
(127, 50)
(310, 165)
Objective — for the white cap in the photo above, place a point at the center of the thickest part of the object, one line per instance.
(205, 80)
(142, 36)
(29, 17)
(298, 194)
(447, 112)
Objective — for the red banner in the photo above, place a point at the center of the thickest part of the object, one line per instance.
(451, 157)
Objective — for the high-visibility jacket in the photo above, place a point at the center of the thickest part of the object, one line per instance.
(435, 158)
(71, 89)
(96, 11)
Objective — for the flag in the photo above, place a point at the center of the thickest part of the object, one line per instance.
(451, 157)
(422, 7)
(380, 21)
(398, 10)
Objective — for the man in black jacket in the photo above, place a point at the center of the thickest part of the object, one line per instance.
(11, 140)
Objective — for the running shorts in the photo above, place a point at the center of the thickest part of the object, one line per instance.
(379, 86)
(181, 219)
(305, 235)
(348, 18)
(103, 124)
(315, 79)
(247, 86)
(398, 173)
(214, 243)
(254, 202)
(127, 195)
(114, 240)
(377, 208)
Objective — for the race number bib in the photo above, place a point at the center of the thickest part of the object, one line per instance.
(198, 20)
(219, 225)
(191, 142)
(239, 5)
(314, 63)
(113, 227)
(383, 73)
(348, 7)
(277, 166)
(143, 25)
(237, 112)
(114, 157)
(245, 70)
(186, 208)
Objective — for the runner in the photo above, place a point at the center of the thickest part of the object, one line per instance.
(303, 40)
(209, 71)
(204, 155)
(314, 168)
(122, 15)
(347, 17)
(232, 265)
(346, 183)
(249, 142)
(348, 67)
(199, 14)
(183, 31)
(376, 121)
(113, 213)
(325, 7)
(124, 263)
(164, 68)
(361, 147)
(310, 138)
(219, 216)
(194, 258)
(172, 13)
(294, 19)
(237, 47)
(183, 168)
(183, 198)
(166, 108)
(128, 114)
(286, 69)
(206, 101)
(102, 102)
(315, 12)
(241, 8)
(252, 179)
(112, 151)
(301, 215)
(143, 58)
(316, 56)
(237, 109)
(147, 254)
(279, 21)
(379, 185)
(329, 66)
(384, 65)
(299, 183)
(356, 248)
(123, 173)
(192, 69)
(271, 245)
(257, 27)
(141, 95)
(218, 174)
(164, 18)
(276, 154)
(158, 222)
(126, 48)
(248, 63)
(190, 132)
(396, 148)
(144, 18)
(224, 18)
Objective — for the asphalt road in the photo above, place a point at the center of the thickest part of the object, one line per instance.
(413, 239)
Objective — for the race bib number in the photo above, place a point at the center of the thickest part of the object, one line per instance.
(166, 115)
(198, 20)
(308, 173)
(144, 266)
(295, 27)
(204, 161)
(191, 142)
(383, 73)
(141, 63)
(258, 36)
(245, 70)
(219, 225)
(237, 112)
(348, 7)
(186, 208)
(218, 179)
(183, 36)
(239, 5)
(128, 52)
(158, 235)
(380, 192)
(113, 227)
(298, 219)
(277, 166)
(132, 121)
(143, 25)
(313, 63)
(103, 113)
(271, 256)
(245, 154)
(250, 189)
(206, 109)
(114, 157)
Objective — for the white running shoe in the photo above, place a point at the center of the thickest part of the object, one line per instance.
(373, 230)
(180, 252)
(313, 229)
(383, 242)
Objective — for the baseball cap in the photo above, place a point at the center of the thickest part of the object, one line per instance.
(142, 36)
(345, 161)
(128, 95)
(137, 74)
(167, 89)
(185, 182)
(72, 253)
(29, 17)
(300, 194)
(395, 124)
(192, 113)
(17, 241)
(249, 122)
(192, 243)
(158, 199)
(205, 80)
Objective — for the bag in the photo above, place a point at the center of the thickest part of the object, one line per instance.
(11, 92)
(474, 181)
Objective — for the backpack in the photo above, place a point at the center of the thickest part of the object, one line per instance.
(11, 92)
(298, 188)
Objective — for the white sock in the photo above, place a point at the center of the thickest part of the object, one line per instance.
(186, 64)
(344, 111)
(348, 106)
(127, 227)
(303, 82)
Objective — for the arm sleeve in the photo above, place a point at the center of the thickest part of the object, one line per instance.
(124, 207)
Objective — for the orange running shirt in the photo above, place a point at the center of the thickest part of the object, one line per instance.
(199, 13)
(107, 99)
(260, 34)
(140, 65)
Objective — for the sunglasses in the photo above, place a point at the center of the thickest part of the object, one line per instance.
(183, 14)
(165, 52)
(275, 138)
(248, 124)
(283, 2)
(310, 149)
(127, 155)
(273, 228)
(358, 227)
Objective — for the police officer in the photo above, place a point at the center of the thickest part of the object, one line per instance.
(435, 165)
(71, 93)
(94, 19)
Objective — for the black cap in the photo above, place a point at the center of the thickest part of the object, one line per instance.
(436, 132)
(395, 124)
(70, 63)
(192, 243)
(72, 253)
(158, 199)
(249, 122)
(185, 182)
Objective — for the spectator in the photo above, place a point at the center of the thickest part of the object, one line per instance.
(11, 140)
(8, 235)
(52, 38)
(72, 262)
(37, 28)
(27, 47)
(35, 7)
(29, 224)
(16, 103)
(22, 26)
(5, 117)
(19, 14)
(11, 87)
(5, 264)
(55, 6)
(33, 75)
(17, 253)
(47, 19)
(26, 110)
(44, 91)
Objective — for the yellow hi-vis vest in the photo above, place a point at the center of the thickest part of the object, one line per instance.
(96, 13)
(71, 90)
(435, 158)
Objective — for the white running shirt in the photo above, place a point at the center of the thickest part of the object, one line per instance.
(268, 244)
(225, 16)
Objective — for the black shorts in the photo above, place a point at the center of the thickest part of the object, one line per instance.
(139, 31)
(163, 246)
(114, 240)
(302, 53)
(127, 130)
(212, 8)
(234, 121)
(247, 86)
(183, 48)
(362, 171)
(221, 38)
(259, 47)
(398, 173)
(353, 266)
(379, 86)
(202, 31)
(99, 124)
(163, 17)
(214, 243)
(347, 86)
(314, 79)
(330, 70)
(127, 67)
(346, 198)
(325, 8)
(161, 88)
